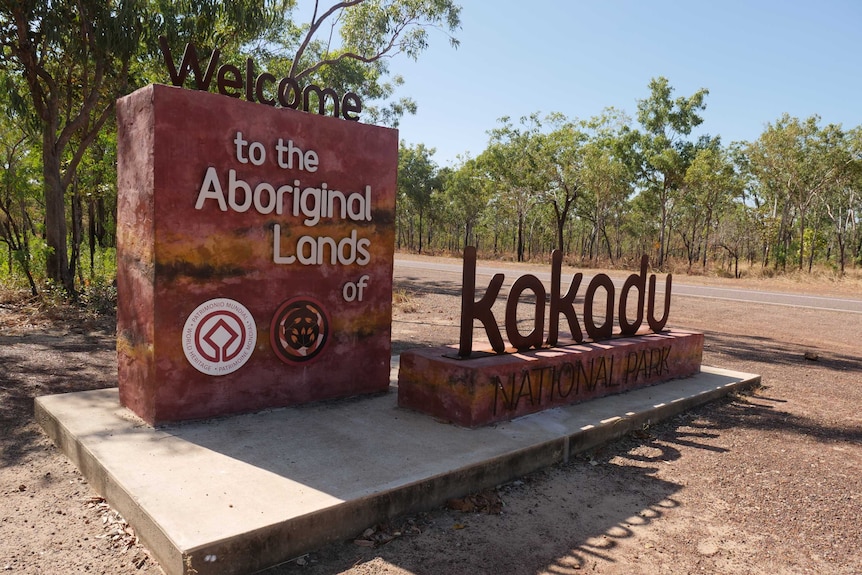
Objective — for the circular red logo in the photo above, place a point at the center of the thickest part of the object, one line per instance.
(299, 330)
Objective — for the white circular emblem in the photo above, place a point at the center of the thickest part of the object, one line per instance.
(219, 336)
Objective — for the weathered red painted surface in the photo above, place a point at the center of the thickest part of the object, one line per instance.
(176, 251)
(483, 390)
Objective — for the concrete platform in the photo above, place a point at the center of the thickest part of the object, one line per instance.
(239, 494)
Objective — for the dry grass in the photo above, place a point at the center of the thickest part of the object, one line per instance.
(403, 300)
(20, 310)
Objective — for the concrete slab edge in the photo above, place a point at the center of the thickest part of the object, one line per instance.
(106, 485)
(609, 431)
(271, 545)
(301, 535)
(346, 520)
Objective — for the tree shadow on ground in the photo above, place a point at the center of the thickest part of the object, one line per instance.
(615, 492)
(627, 467)
(755, 413)
(603, 501)
(78, 362)
(419, 286)
(759, 349)
(608, 495)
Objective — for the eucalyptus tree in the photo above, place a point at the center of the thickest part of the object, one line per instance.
(641, 227)
(70, 61)
(468, 190)
(794, 161)
(842, 196)
(539, 162)
(498, 219)
(73, 60)
(348, 45)
(417, 180)
(94, 198)
(735, 232)
(513, 156)
(608, 180)
(18, 197)
(562, 161)
(664, 151)
(854, 213)
(709, 186)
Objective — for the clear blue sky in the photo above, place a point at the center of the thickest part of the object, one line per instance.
(758, 59)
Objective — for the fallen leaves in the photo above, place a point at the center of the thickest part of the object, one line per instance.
(487, 501)
(384, 533)
(118, 533)
(377, 536)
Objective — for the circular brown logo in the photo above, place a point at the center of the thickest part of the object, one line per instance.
(299, 330)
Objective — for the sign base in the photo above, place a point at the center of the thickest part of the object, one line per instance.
(484, 390)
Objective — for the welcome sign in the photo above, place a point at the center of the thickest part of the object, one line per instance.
(255, 249)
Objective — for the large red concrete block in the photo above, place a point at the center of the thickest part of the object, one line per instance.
(492, 388)
(255, 250)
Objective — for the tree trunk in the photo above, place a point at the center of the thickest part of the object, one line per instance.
(706, 237)
(520, 247)
(608, 244)
(560, 226)
(468, 229)
(801, 239)
(813, 245)
(77, 233)
(91, 234)
(661, 233)
(430, 228)
(420, 231)
(841, 255)
(57, 259)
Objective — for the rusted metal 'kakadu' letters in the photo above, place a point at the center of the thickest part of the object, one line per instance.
(559, 304)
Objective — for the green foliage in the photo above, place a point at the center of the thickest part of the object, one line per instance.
(348, 45)
(64, 63)
(467, 191)
(99, 296)
(802, 168)
(601, 188)
(18, 195)
(664, 154)
(68, 61)
(795, 194)
(418, 178)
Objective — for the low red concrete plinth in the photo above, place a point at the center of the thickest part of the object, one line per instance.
(482, 390)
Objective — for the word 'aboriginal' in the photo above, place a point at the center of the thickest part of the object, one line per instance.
(559, 304)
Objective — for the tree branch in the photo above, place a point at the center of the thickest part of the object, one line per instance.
(33, 71)
(83, 116)
(345, 56)
(312, 30)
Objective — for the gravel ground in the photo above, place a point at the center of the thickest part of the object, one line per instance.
(764, 483)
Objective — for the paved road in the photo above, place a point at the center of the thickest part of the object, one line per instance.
(452, 271)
